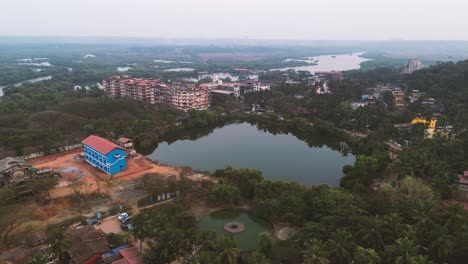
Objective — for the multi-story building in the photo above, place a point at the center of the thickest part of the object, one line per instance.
(412, 66)
(187, 97)
(105, 155)
(154, 91)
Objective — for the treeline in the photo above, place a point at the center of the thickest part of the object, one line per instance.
(389, 225)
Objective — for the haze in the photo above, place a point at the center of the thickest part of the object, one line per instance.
(240, 19)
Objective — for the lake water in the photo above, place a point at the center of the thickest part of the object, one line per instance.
(221, 75)
(123, 69)
(343, 62)
(45, 78)
(279, 157)
(180, 70)
(248, 239)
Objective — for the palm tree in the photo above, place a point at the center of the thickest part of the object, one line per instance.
(38, 259)
(402, 251)
(373, 235)
(340, 246)
(315, 253)
(60, 243)
(228, 253)
(443, 243)
(455, 217)
(420, 259)
(423, 217)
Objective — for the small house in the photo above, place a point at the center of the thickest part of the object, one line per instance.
(13, 170)
(87, 245)
(126, 142)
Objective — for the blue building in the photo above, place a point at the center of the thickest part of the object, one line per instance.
(105, 155)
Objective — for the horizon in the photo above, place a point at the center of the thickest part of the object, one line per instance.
(296, 20)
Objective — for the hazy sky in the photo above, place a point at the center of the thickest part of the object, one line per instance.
(254, 19)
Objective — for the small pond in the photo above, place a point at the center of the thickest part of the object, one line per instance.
(245, 240)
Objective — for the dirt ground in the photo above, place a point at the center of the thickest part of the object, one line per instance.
(118, 188)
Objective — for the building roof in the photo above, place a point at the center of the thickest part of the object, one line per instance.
(100, 144)
(130, 256)
(10, 162)
(86, 242)
(124, 140)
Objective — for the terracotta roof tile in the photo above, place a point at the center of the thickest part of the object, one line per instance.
(100, 144)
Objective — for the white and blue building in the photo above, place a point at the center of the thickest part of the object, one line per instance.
(104, 155)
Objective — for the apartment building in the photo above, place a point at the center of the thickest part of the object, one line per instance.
(155, 91)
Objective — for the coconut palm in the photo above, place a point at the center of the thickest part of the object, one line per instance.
(374, 233)
(455, 216)
(402, 252)
(228, 251)
(443, 243)
(423, 217)
(38, 259)
(340, 246)
(60, 243)
(315, 253)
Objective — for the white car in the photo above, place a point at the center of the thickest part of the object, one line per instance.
(122, 216)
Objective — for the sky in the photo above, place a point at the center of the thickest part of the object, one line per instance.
(239, 19)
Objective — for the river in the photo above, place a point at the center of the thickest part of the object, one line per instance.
(44, 78)
(341, 62)
(278, 156)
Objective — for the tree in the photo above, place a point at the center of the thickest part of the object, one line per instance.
(340, 246)
(7, 194)
(402, 252)
(60, 243)
(365, 256)
(266, 244)
(154, 184)
(43, 185)
(117, 240)
(443, 244)
(39, 259)
(374, 232)
(228, 252)
(224, 193)
(257, 258)
(315, 253)
(185, 186)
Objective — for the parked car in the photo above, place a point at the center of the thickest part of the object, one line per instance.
(122, 217)
(127, 220)
(128, 227)
(93, 222)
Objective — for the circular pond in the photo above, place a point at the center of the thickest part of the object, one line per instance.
(248, 238)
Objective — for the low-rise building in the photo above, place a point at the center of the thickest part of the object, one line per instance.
(13, 170)
(104, 155)
(463, 181)
(125, 142)
(399, 96)
(356, 105)
(87, 245)
(330, 75)
(259, 87)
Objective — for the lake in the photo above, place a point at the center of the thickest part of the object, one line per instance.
(180, 70)
(221, 75)
(44, 78)
(278, 156)
(341, 62)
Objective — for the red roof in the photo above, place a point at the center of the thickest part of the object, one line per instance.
(124, 140)
(130, 255)
(100, 144)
